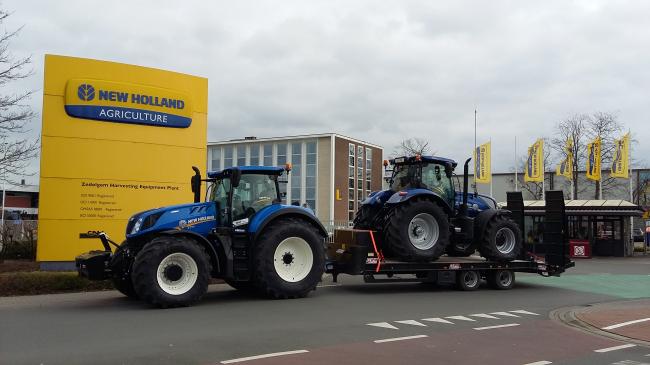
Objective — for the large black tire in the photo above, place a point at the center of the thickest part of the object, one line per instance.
(461, 249)
(501, 239)
(121, 264)
(179, 283)
(398, 237)
(468, 280)
(501, 279)
(287, 243)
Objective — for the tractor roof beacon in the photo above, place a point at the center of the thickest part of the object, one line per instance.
(241, 233)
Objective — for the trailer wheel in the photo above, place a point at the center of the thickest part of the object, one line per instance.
(289, 259)
(418, 230)
(468, 280)
(501, 279)
(171, 271)
(121, 271)
(501, 239)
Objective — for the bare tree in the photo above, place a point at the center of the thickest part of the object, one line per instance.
(607, 127)
(412, 146)
(16, 149)
(575, 130)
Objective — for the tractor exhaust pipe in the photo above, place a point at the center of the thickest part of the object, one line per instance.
(196, 184)
(463, 207)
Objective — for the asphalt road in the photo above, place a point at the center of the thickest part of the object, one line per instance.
(346, 323)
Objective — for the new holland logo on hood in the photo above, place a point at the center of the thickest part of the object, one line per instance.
(127, 103)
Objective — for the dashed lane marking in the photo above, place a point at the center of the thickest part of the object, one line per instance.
(521, 311)
(483, 315)
(400, 338)
(621, 347)
(439, 320)
(504, 314)
(618, 325)
(495, 327)
(543, 362)
(264, 356)
(383, 325)
(412, 322)
(461, 318)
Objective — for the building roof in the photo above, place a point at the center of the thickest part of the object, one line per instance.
(587, 207)
(284, 138)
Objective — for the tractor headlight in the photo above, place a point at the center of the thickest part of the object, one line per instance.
(137, 225)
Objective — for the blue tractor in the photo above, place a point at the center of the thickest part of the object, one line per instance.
(424, 215)
(242, 234)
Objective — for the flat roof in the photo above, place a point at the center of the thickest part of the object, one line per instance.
(300, 136)
(587, 207)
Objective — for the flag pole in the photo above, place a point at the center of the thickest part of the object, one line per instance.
(629, 166)
(543, 173)
(475, 184)
(516, 178)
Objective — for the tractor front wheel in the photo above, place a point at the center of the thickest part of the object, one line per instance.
(171, 272)
(121, 271)
(289, 259)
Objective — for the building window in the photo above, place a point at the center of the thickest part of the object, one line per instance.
(227, 157)
(255, 155)
(216, 158)
(310, 175)
(241, 155)
(296, 172)
(268, 154)
(368, 169)
(351, 171)
(282, 154)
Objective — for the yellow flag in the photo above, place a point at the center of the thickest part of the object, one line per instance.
(482, 163)
(593, 160)
(621, 160)
(535, 164)
(565, 168)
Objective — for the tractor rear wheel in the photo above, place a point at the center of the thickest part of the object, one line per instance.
(418, 230)
(171, 271)
(121, 271)
(289, 259)
(501, 239)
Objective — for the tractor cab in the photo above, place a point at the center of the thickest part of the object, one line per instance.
(424, 172)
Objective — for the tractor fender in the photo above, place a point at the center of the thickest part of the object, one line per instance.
(404, 196)
(482, 219)
(209, 248)
(257, 227)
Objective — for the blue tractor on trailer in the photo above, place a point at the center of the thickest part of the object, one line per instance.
(241, 233)
(425, 214)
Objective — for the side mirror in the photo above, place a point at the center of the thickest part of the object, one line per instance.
(449, 171)
(235, 177)
(195, 182)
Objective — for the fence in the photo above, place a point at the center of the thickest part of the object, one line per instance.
(330, 226)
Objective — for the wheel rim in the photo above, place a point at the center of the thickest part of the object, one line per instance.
(423, 231)
(293, 259)
(505, 279)
(470, 278)
(505, 240)
(177, 273)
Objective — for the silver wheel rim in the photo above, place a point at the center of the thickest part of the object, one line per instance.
(505, 278)
(505, 240)
(423, 231)
(177, 273)
(293, 259)
(470, 278)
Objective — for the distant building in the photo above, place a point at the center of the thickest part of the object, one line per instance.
(20, 201)
(331, 173)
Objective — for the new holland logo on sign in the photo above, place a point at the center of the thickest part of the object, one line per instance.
(127, 103)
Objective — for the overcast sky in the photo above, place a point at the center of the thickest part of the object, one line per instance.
(379, 71)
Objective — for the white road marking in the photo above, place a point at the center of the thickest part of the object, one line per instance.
(382, 325)
(439, 320)
(483, 315)
(257, 357)
(618, 325)
(505, 314)
(412, 322)
(499, 326)
(629, 362)
(521, 311)
(543, 362)
(461, 318)
(621, 347)
(399, 338)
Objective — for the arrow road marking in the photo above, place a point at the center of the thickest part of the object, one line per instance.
(439, 320)
(483, 315)
(461, 318)
(383, 325)
(505, 314)
(412, 322)
(521, 311)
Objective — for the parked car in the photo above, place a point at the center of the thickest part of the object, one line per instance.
(638, 235)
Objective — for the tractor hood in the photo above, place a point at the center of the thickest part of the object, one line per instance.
(193, 217)
(378, 197)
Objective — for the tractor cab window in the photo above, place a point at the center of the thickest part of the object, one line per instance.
(435, 179)
(405, 177)
(219, 191)
(253, 193)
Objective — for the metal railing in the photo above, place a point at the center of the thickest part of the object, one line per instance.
(330, 226)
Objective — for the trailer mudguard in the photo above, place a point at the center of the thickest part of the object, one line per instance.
(403, 196)
(482, 219)
(273, 212)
